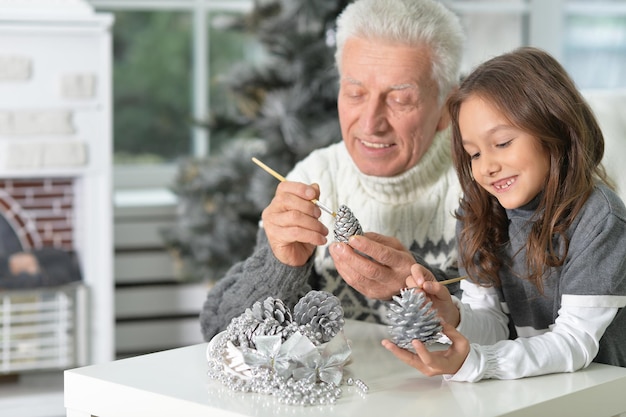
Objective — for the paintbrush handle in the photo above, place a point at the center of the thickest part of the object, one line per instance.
(452, 280)
(281, 179)
(269, 170)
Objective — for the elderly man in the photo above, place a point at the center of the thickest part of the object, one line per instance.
(398, 60)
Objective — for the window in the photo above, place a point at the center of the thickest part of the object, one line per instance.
(588, 37)
(167, 59)
(169, 55)
(595, 43)
(152, 87)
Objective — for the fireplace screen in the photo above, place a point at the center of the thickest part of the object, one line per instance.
(42, 328)
(42, 297)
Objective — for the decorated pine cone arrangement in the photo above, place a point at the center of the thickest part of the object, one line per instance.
(298, 357)
(319, 315)
(346, 224)
(411, 316)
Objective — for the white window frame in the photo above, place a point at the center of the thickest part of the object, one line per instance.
(545, 30)
(133, 177)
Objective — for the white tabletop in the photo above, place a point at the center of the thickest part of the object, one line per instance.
(175, 383)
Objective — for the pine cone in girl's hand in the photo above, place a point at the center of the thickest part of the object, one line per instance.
(412, 317)
(346, 224)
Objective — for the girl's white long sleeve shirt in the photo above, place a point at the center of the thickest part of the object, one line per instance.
(515, 331)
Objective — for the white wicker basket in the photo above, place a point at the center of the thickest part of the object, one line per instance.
(43, 328)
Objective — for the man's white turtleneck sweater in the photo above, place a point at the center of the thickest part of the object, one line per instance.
(415, 207)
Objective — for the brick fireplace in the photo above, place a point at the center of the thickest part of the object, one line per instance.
(40, 211)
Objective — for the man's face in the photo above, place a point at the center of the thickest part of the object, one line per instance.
(388, 106)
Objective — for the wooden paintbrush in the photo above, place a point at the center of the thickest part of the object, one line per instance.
(281, 179)
(452, 280)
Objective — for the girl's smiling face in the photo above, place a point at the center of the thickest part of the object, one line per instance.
(509, 163)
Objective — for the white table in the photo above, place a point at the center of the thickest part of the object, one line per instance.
(175, 383)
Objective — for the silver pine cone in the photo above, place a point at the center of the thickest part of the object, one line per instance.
(411, 316)
(243, 330)
(319, 315)
(267, 318)
(270, 308)
(238, 330)
(346, 224)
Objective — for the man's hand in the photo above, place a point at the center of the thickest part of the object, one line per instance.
(380, 277)
(291, 223)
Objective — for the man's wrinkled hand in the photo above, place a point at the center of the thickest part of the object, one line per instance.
(375, 265)
(291, 223)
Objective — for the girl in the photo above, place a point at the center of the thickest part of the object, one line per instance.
(540, 232)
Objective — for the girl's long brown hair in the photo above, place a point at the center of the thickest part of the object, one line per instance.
(535, 93)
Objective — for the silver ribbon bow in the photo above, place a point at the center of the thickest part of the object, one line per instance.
(281, 357)
(326, 362)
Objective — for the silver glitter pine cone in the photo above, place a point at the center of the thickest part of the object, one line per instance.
(269, 317)
(411, 316)
(240, 330)
(346, 224)
(319, 313)
(270, 308)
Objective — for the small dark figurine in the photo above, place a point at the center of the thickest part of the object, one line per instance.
(346, 224)
(43, 267)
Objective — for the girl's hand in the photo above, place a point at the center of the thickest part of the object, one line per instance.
(433, 363)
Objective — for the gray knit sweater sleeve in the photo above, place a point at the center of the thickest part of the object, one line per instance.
(256, 278)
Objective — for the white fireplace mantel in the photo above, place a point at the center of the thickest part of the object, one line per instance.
(56, 122)
(44, 9)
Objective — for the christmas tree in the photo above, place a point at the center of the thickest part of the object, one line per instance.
(286, 108)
